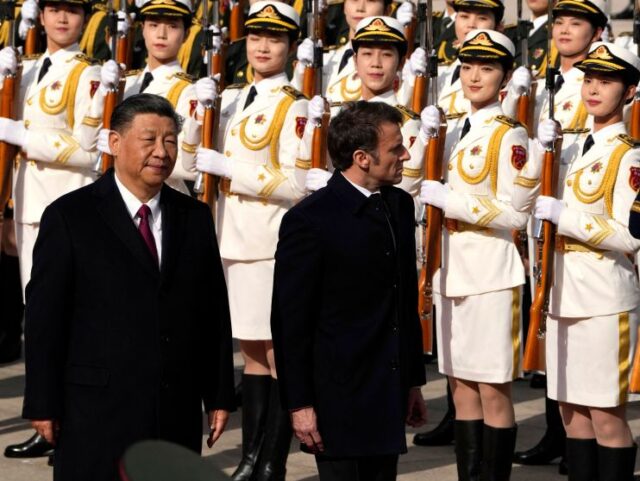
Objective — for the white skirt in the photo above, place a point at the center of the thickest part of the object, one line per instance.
(250, 286)
(479, 337)
(589, 359)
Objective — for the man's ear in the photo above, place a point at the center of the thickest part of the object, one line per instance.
(361, 159)
(114, 142)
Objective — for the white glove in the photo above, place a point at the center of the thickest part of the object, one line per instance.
(30, 12)
(140, 3)
(434, 193)
(103, 141)
(548, 208)
(216, 38)
(124, 23)
(213, 162)
(547, 133)
(315, 109)
(8, 61)
(405, 14)
(23, 29)
(521, 80)
(430, 118)
(109, 76)
(13, 132)
(305, 52)
(316, 179)
(418, 61)
(206, 92)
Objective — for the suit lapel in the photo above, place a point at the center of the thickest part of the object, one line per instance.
(114, 212)
(173, 220)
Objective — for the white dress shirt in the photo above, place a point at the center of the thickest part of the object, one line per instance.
(366, 192)
(133, 205)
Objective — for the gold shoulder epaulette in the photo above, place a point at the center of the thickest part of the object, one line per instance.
(33, 56)
(625, 34)
(446, 63)
(100, 6)
(457, 115)
(130, 73)
(575, 131)
(334, 2)
(407, 113)
(503, 119)
(336, 104)
(241, 39)
(238, 85)
(291, 92)
(184, 76)
(86, 59)
(329, 48)
(438, 14)
(630, 141)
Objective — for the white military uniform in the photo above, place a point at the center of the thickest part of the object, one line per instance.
(593, 308)
(478, 284)
(60, 150)
(170, 81)
(451, 97)
(265, 143)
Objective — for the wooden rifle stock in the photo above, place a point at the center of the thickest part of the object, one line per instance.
(7, 151)
(534, 359)
(634, 382)
(209, 132)
(410, 35)
(419, 99)
(309, 81)
(236, 21)
(31, 42)
(634, 124)
(432, 238)
(523, 111)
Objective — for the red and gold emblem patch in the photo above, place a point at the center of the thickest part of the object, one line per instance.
(93, 87)
(537, 53)
(476, 150)
(56, 85)
(597, 167)
(260, 119)
(412, 139)
(301, 122)
(518, 156)
(568, 105)
(634, 178)
(193, 104)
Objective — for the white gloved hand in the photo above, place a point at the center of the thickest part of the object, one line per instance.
(316, 179)
(430, 118)
(206, 92)
(548, 208)
(140, 3)
(30, 12)
(521, 80)
(109, 76)
(305, 52)
(216, 38)
(8, 61)
(124, 23)
(434, 193)
(315, 109)
(13, 132)
(405, 14)
(547, 133)
(102, 143)
(418, 61)
(213, 162)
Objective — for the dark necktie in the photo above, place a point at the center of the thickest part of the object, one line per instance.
(465, 128)
(345, 59)
(148, 78)
(559, 82)
(456, 74)
(144, 212)
(588, 143)
(251, 96)
(381, 206)
(44, 69)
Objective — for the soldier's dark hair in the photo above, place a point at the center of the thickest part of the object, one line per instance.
(125, 112)
(357, 127)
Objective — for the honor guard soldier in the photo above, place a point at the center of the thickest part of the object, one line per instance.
(470, 15)
(537, 41)
(56, 131)
(94, 41)
(165, 25)
(592, 321)
(478, 304)
(340, 79)
(261, 138)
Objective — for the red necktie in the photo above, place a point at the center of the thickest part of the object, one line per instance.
(144, 212)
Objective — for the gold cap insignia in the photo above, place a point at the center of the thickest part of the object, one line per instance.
(377, 25)
(481, 39)
(601, 53)
(268, 12)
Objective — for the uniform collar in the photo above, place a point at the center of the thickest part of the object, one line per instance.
(163, 70)
(604, 136)
(62, 54)
(267, 85)
(388, 97)
(483, 116)
(572, 75)
(538, 23)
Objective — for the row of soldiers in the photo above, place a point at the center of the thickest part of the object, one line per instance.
(264, 156)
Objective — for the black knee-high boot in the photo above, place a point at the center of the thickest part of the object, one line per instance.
(469, 449)
(498, 445)
(616, 464)
(582, 459)
(255, 407)
(12, 309)
(272, 462)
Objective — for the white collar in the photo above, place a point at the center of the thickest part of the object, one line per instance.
(572, 75)
(266, 85)
(388, 97)
(479, 117)
(167, 69)
(133, 203)
(537, 23)
(607, 132)
(366, 192)
(62, 53)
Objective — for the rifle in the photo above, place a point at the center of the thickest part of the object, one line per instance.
(432, 221)
(634, 124)
(119, 49)
(236, 21)
(420, 87)
(31, 43)
(206, 184)
(8, 96)
(524, 102)
(410, 35)
(534, 359)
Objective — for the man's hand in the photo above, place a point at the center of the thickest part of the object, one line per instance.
(217, 422)
(416, 410)
(305, 428)
(47, 428)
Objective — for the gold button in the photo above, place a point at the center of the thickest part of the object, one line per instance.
(569, 183)
(26, 124)
(450, 167)
(234, 132)
(471, 166)
(227, 153)
(588, 182)
(241, 74)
